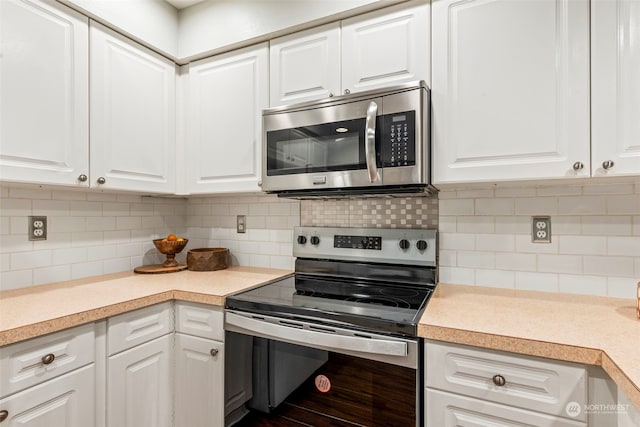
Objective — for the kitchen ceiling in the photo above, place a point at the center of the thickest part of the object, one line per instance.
(181, 4)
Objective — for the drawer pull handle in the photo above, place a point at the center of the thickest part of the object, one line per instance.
(214, 352)
(48, 359)
(607, 164)
(499, 380)
(3, 415)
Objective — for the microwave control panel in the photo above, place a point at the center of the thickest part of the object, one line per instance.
(399, 139)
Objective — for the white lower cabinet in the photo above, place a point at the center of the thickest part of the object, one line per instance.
(469, 386)
(139, 386)
(199, 382)
(454, 410)
(66, 401)
(49, 380)
(139, 368)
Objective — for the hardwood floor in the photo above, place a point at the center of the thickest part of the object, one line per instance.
(363, 393)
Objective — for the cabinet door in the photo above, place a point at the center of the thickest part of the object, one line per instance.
(510, 95)
(199, 380)
(66, 401)
(44, 95)
(132, 115)
(139, 386)
(386, 47)
(452, 410)
(305, 66)
(224, 132)
(615, 107)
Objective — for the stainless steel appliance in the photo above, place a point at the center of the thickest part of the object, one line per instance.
(366, 143)
(357, 292)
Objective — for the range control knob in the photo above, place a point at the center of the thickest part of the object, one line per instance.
(302, 240)
(421, 245)
(315, 240)
(404, 244)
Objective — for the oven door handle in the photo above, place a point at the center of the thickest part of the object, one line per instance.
(370, 141)
(327, 340)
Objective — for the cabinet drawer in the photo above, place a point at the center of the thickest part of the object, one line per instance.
(66, 401)
(451, 410)
(27, 363)
(529, 382)
(130, 329)
(200, 320)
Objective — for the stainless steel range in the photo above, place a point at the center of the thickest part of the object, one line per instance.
(357, 292)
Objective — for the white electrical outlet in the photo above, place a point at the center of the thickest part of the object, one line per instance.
(541, 229)
(37, 228)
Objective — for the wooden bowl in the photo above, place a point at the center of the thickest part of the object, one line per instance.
(170, 248)
(207, 259)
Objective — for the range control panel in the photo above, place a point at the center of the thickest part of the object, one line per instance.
(357, 242)
(389, 245)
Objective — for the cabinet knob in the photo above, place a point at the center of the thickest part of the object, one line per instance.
(214, 352)
(499, 380)
(608, 164)
(101, 180)
(330, 94)
(3, 415)
(347, 91)
(83, 178)
(48, 359)
(577, 166)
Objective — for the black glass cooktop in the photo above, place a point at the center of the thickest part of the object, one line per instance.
(390, 307)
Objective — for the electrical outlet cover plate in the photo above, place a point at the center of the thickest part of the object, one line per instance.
(541, 229)
(37, 228)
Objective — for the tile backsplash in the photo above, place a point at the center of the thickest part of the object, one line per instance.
(485, 232)
(89, 233)
(485, 238)
(400, 212)
(211, 222)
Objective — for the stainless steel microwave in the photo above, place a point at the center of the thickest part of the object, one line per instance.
(374, 142)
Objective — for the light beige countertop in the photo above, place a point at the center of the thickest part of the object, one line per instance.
(585, 329)
(30, 312)
(591, 330)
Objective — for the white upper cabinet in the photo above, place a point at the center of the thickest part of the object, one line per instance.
(44, 108)
(386, 47)
(615, 87)
(305, 66)
(378, 49)
(227, 94)
(510, 93)
(132, 115)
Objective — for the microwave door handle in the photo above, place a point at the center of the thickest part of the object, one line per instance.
(370, 141)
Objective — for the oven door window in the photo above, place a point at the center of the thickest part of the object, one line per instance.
(336, 146)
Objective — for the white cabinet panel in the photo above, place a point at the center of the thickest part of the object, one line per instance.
(139, 384)
(66, 401)
(305, 66)
(510, 93)
(199, 382)
(136, 327)
(451, 410)
(44, 109)
(30, 362)
(200, 320)
(132, 115)
(224, 123)
(386, 47)
(615, 67)
(529, 383)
